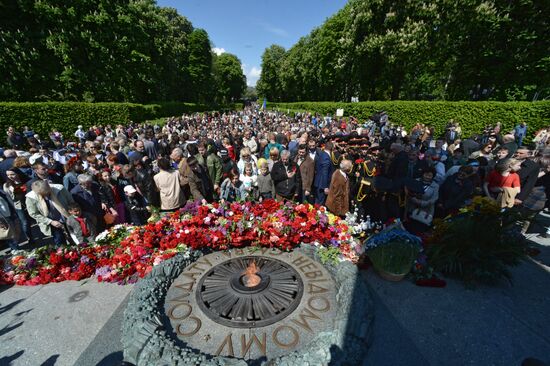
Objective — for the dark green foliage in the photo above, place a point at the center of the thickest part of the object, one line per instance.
(200, 65)
(66, 116)
(229, 78)
(99, 51)
(396, 257)
(270, 83)
(417, 50)
(472, 116)
(477, 247)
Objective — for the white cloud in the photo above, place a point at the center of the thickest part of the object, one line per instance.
(255, 72)
(218, 51)
(252, 74)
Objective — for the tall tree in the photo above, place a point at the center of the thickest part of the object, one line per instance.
(200, 65)
(229, 77)
(103, 50)
(269, 84)
(426, 49)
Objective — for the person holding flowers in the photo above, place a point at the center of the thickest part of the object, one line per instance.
(47, 204)
(287, 178)
(249, 181)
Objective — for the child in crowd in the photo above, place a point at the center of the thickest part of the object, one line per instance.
(503, 184)
(79, 225)
(232, 188)
(266, 187)
(249, 182)
(136, 207)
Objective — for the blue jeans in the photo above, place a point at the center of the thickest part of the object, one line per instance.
(12, 244)
(58, 236)
(25, 233)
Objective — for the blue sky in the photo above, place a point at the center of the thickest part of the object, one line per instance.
(245, 27)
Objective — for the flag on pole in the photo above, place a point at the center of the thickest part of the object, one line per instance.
(264, 106)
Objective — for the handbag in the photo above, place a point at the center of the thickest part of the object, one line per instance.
(7, 231)
(109, 217)
(421, 216)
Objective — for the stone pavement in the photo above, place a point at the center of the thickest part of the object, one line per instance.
(53, 324)
(78, 323)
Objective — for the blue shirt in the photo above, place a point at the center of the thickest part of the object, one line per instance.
(520, 131)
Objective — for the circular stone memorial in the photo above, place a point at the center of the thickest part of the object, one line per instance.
(248, 306)
(214, 305)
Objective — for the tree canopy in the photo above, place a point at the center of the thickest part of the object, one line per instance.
(102, 50)
(436, 49)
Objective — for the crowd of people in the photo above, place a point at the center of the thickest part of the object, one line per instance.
(74, 187)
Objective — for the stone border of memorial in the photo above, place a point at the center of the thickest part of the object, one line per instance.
(147, 341)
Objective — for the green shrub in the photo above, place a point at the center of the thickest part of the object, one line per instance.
(478, 245)
(472, 116)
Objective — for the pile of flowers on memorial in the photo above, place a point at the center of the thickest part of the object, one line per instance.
(125, 253)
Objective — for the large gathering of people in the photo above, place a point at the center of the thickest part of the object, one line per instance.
(66, 189)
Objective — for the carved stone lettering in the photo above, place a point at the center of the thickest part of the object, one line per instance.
(229, 342)
(192, 275)
(300, 261)
(314, 289)
(245, 346)
(308, 267)
(188, 309)
(303, 322)
(300, 290)
(315, 299)
(186, 286)
(193, 319)
(314, 274)
(292, 343)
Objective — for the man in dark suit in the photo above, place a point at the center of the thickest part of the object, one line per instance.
(286, 177)
(86, 194)
(323, 173)
(416, 167)
(399, 165)
(528, 173)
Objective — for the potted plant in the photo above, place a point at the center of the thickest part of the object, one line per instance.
(393, 252)
(478, 244)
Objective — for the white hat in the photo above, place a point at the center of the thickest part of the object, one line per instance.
(129, 189)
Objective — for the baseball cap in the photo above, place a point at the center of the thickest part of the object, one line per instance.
(129, 189)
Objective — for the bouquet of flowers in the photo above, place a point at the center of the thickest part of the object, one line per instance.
(393, 251)
(125, 253)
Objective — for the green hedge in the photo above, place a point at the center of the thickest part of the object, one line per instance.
(472, 116)
(66, 116)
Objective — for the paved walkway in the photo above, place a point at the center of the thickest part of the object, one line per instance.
(78, 323)
(55, 323)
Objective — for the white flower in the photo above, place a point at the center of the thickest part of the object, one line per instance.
(102, 236)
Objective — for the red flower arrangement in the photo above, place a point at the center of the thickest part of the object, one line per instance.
(127, 253)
